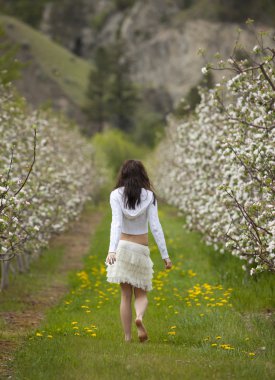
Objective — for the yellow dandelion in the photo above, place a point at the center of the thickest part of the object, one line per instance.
(251, 354)
(49, 336)
(214, 344)
(38, 334)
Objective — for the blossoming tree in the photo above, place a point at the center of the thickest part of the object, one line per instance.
(217, 165)
(47, 174)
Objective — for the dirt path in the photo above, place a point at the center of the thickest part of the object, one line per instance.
(76, 241)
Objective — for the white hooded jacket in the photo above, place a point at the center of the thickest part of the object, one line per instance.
(135, 221)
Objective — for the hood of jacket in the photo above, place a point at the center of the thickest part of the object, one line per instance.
(146, 198)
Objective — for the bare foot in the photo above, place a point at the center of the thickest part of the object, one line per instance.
(142, 333)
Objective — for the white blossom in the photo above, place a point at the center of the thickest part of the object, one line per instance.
(217, 167)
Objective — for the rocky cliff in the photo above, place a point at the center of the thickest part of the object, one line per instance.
(161, 40)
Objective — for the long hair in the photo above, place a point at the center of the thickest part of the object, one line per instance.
(133, 176)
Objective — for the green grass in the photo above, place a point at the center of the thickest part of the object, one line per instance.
(43, 270)
(240, 321)
(70, 72)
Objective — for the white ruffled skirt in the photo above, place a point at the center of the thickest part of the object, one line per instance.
(133, 265)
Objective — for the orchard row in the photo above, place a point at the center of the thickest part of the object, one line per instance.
(217, 163)
(47, 173)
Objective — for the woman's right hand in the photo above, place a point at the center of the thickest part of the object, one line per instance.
(168, 263)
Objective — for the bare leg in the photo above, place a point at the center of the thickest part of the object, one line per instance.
(141, 302)
(126, 309)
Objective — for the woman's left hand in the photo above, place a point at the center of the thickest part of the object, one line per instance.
(111, 258)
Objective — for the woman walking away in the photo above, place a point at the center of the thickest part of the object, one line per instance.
(133, 204)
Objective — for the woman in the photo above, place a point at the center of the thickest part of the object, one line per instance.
(133, 204)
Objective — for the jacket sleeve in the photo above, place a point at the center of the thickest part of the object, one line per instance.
(156, 229)
(116, 224)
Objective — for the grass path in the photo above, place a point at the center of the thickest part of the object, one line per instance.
(205, 319)
(29, 296)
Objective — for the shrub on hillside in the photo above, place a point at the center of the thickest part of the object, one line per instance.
(114, 146)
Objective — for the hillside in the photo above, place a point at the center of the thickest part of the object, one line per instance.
(162, 37)
(53, 73)
(162, 42)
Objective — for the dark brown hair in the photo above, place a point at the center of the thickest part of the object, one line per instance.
(133, 176)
